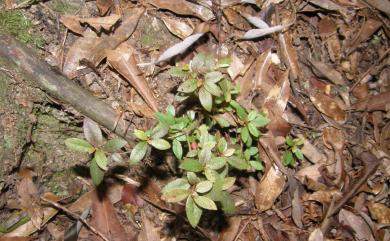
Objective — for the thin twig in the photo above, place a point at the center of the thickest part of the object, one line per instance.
(76, 216)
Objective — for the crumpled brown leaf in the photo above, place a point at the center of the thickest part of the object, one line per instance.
(357, 223)
(329, 107)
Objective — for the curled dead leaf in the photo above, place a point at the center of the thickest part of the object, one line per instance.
(329, 107)
(177, 27)
(361, 229)
(183, 7)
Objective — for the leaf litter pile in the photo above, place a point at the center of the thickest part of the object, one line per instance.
(317, 69)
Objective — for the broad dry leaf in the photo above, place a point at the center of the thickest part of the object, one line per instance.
(312, 171)
(72, 23)
(104, 6)
(105, 220)
(297, 209)
(269, 189)
(380, 102)
(316, 235)
(379, 212)
(263, 63)
(101, 22)
(382, 5)
(123, 60)
(384, 140)
(366, 31)
(183, 7)
(138, 105)
(178, 27)
(235, 67)
(334, 138)
(289, 54)
(329, 107)
(235, 19)
(311, 152)
(359, 226)
(327, 71)
(149, 232)
(324, 196)
(92, 47)
(230, 233)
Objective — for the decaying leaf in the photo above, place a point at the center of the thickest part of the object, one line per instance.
(229, 234)
(104, 6)
(297, 209)
(105, 220)
(235, 19)
(375, 102)
(367, 30)
(177, 27)
(382, 5)
(72, 24)
(324, 196)
(269, 189)
(289, 54)
(92, 132)
(312, 171)
(149, 232)
(311, 152)
(101, 22)
(235, 67)
(138, 105)
(384, 141)
(92, 47)
(123, 60)
(183, 7)
(330, 73)
(316, 235)
(361, 229)
(328, 107)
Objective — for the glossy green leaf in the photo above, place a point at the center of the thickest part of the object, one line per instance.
(191, 165)
(252, 115)
(222, 145)
(205, 155)
(226, 86)
(188, 86)
(159, 131)
(165, 119)
(221, 121)
(298, 153)
(213, 89)
(79, 145)
(253, 130)
(203, 186)
(216, 163)
(244, 134)
(192, 153)
(193, 212)
(213, 77)
(289, 141)
(205, 202)
(228, 182)
(100, 159)
(238, 163)
(97, 174)
(228, 152)
(192, 178)
(138, 152)
(256, 165)
(177, 71)
(288, 158)
(205, 98)
(224, 62)
(227, 203)
(160, 144)
(140, 135)
(239, 110)
(260, 121)
(179, 183)
(114, 145)
(170, 110)
(175, 195)
(211, 175)
(177, 149)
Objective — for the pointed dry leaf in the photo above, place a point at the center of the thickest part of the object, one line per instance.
(92, 47)
(326, 105)
(375, 102)
(297, 209)
(104, 6)
(357, 223)
(324, 196)
(179, 47)
(101, 22)
(269, 189)
(178, 27)
(330, 73)
(235, 19)
(366, 31)
(312, 171)
(289, 54)
(230, 233)
(149, 231)
(257, 33)
(183, 7)
(382, 5)
(235, 67)
(123, 60)
(72, 23)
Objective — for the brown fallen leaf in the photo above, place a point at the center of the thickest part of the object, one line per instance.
(138, 105)
(297, 209)
(269, 189)
(289, 54)
(235, 19)
(375, 102)
(316, 235)
(92, 47)
(229, 233)
(324, 196)
(105, 220)
(104, 6)
(101, 22)
(123, 60)
(330, 73)
(236, 67)
(379, 212)
(149, 232)
(329, 107)
(72, 24)
(382, 5)
(178, 27)
(183, 7)
(311, 152)
(384, 140)
(312, 171)
(359, 226)
(366, 31)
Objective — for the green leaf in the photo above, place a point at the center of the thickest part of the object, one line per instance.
(253, 130)
(205, 202)
(228, 152)
(227, 203)
(289, 141)
(239, 110)
(177, 71)
(79, 145)
(191, 165)
(203, 186)
(179, 183)
(188, 86)
(192, 153)
(175, 195)
(222, 145)
(205, 98)
(252, 115)
(213, 77)
(140, 135)
(114, 145)
(192, 178)
(260, 121)
(244, 134)
(193, 212)
(100, 159)
(221, 121)
(205, 155)
(288, 158)
(159, 131)
(165, 118)
(202, 63)
(216, 191)
(224, 62)
(171, 110)
(298, 153)
(213, 89)
(211, 175)
(238, 163)
(216, 163)
(138, 152)
(226, 86)
(97, 174)
(299, 141)
(256, 165)
(228, 182)
(160, 144)
(177, 149)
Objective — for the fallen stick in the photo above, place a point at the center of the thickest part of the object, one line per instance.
(23, 62)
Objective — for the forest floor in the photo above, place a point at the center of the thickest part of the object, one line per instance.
(317, 70)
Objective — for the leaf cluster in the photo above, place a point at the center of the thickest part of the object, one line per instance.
(293, 151)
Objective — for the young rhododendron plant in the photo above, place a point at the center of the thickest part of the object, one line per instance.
(210, 140)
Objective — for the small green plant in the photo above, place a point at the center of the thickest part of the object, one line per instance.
(293, 151)
(97, 147)
(210, 140)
